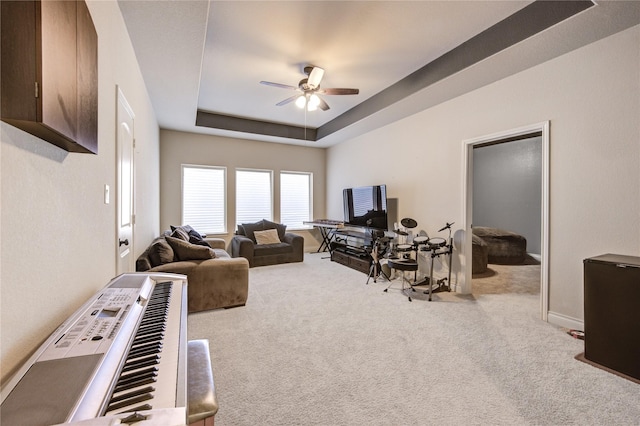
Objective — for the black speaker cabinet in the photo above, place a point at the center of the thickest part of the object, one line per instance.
(612, 312)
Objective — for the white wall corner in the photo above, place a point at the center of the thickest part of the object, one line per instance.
(565, 321)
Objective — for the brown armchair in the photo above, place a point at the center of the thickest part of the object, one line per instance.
(266, 249)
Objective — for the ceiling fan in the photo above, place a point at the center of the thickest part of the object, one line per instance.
(309, 89)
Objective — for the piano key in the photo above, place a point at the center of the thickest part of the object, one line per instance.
(131, 401)
(139, 382)
(157, 336)
(131, 375)
(140, 360)
(135, 381)
(142, 407)
(153, 349)
(146, 363)
(132, 394)
(145, 328)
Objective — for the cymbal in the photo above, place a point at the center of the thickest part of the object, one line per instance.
(407, 222)
(399, 232)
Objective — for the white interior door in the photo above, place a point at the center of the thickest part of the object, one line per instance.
(125, 195)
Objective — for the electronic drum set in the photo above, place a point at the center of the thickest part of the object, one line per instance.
(399, 257)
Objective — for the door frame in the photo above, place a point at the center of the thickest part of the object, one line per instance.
(467, 202)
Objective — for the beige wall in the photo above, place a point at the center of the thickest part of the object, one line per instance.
(58, 237)
(177, 148)
(592, 99)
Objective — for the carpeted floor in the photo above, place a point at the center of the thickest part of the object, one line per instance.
(315, 345)
(523, 279)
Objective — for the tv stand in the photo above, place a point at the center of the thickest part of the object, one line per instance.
(349, 249)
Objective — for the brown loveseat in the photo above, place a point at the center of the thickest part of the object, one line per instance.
(214, 279)
(285, 248)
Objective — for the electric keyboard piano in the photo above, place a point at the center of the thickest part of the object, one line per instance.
(122, 353)
(327, 228)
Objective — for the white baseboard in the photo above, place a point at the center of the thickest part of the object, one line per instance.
(536, 256)
(565, 321)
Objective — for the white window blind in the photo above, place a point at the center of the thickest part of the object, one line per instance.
(295, 199)
(204, 198)
(253, 196)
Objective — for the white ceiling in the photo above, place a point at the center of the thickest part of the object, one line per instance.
(211, 56)
(366, 45)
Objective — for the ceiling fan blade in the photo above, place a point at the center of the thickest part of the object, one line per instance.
(282, 86)
(322, 104)
(315, 76)
(288, 100)
(336, 91)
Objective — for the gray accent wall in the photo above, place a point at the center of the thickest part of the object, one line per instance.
(507, 188)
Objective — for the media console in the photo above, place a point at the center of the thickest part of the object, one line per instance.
(351, 257)
(349, 249)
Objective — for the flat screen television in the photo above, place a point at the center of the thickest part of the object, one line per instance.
(366, 206)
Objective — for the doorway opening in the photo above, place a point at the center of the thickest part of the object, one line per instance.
(489, 205)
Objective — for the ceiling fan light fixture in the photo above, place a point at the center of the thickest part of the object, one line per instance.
(313, 102)
(307, 88)
(301, 101)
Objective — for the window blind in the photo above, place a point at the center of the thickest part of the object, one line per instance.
(295, 199)
(204, 198)
(254, 197)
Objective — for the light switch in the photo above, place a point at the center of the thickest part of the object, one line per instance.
(106, 194)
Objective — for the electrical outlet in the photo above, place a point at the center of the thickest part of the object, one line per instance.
(106, 194)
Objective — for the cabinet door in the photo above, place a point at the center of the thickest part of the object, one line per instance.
(49, 72)
(18, 62)
(58, 91)
(87, 42)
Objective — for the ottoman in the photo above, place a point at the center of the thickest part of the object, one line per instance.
(504, 247)
(480, 255)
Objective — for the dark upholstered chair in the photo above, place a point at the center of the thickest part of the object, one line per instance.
(262, 248)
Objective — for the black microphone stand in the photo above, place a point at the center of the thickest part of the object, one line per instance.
(376, 269)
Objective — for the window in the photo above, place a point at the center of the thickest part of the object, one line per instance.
(254, 197)
(204, 198)
(295, 199)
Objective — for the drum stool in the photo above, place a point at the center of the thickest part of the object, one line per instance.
(403, 265)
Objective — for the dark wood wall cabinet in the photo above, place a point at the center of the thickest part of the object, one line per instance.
(50, 72)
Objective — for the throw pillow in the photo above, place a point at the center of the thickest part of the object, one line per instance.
(184, 250)
(269, 236)
(180, 233)
(282, 229)
(185, 228)
(196, 238)
(143, 263)
(192, 231)
(250, 228)
(160, 253)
